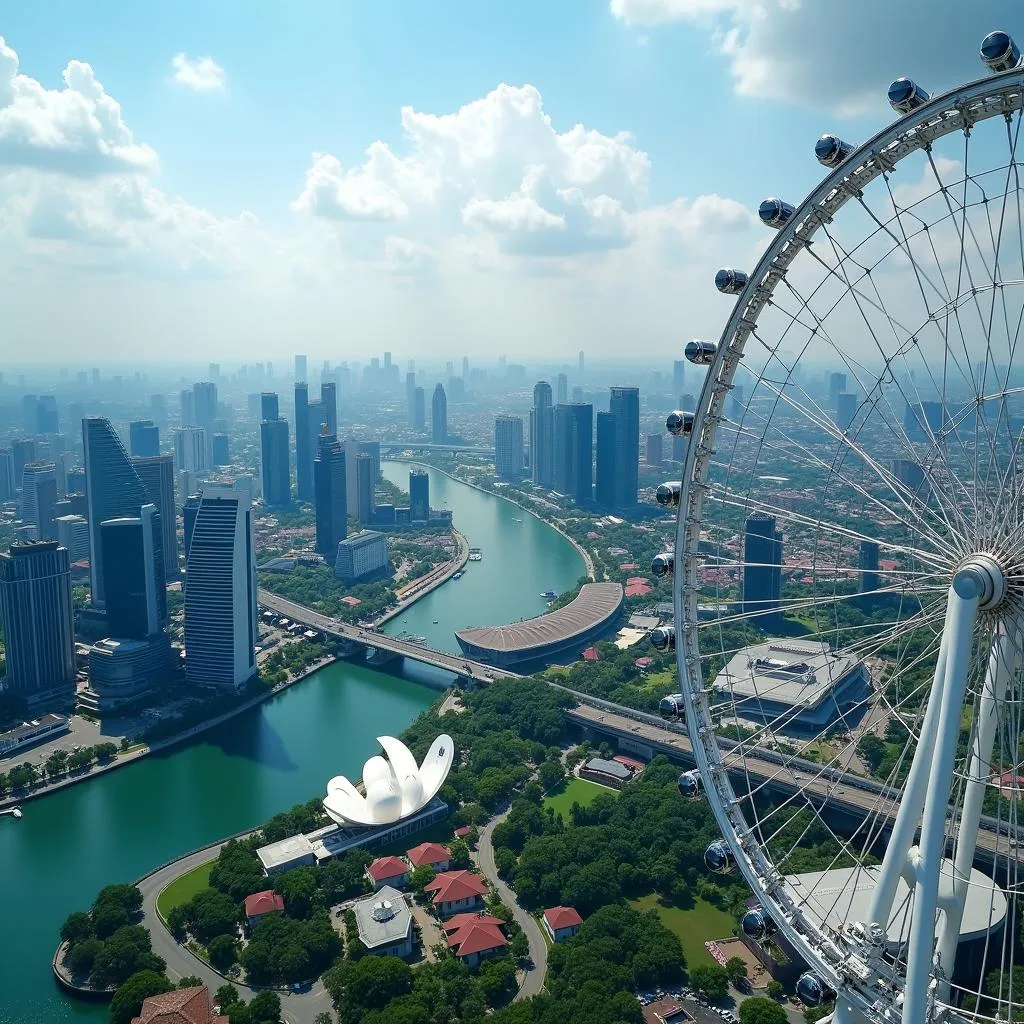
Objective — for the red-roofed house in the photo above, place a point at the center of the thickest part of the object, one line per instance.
(474, 937)
(638, 590)
(453, 924)
(644, 662)
(455, 891)
(627, 566)
(434, 854)
(181, 1006)
(464, 832)
(259, 904)
(637, 579)
(561, 923)
(388, 871)
(590, 654)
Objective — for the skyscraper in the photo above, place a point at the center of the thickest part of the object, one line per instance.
(188, 408)
(655, 449)
(678, 376)
(143, 438)
(300, 369)
(561, 389)
(39, 498)
(439, 415)
(206, 413)
(762, 568)
(191, 452)
(869, 578)
(605, 490)
(7, 484)
(220, 591)
(157, 476)
(38, 618)
(112, 489)
(329, 487)
(580, 363)
(624, 405)
(24, 449)
(73, 534)
(846, 409)
(269, 406)
(303, 452)
(419, 409)
(574, 451)
(465, 368)
(836, 386)
(329, 399)
(221, 450)
(47, 420)
(508, 447)
(542, 427)
(364, 489)
(274, 462)
(410, 396)
(133, 571)
(419, 496)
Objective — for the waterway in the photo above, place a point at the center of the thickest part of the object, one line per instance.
(121, 825)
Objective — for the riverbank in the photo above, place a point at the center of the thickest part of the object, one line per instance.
(426, 584)
(582, 551)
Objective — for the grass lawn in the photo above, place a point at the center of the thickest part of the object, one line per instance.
(183, 888)
(439, 832)
(693, 927)
(574, 791)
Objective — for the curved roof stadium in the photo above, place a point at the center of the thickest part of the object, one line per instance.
(553, 633)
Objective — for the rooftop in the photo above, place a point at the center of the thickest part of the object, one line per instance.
(180, 1006)
(475, 936)
(595, 603)
(382, 918)
(450, 886)
(562, 917)
(612, 768)
(387, 867)
(427, 853)
(273, 855)
(260, 903)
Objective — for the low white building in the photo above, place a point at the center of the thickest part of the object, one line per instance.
(385, 923)
(360, 555)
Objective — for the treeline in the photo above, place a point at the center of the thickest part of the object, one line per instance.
(60, 762)
(316, 587)
(289, 659)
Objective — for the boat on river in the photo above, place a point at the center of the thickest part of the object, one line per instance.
(476, 554)
(14, 812)
(457, 576)
(549, 595)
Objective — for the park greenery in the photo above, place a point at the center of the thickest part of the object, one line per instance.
(291, 659)
(60, 762)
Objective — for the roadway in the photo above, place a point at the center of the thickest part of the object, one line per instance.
(421, 446)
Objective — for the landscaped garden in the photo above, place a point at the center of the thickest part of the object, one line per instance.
(573, 791)
(693, 926)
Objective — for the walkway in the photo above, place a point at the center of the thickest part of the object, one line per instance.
(533, 981)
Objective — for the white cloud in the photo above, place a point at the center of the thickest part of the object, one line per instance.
(201, 74)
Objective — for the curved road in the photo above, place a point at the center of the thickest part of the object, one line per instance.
(533, 982)
(296, 1007)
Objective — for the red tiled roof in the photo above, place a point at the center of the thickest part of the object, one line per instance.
(590, 654)
(643, 662)
(637, 579)
(469, 917)
(476, 938)
(428, 853)
(450, 886)
(465, 830)
(387, 867)
(562, 917)
(626, 566)
(181, 1006)
(638, 590)
(260, 903)
(351, 601)
(630, 762)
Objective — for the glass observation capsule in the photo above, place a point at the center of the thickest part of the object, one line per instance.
(672, 707)
(701, 353)
(664, 638)
(663, 564)
(811, 990)
(774, 212)
(832, 150)
(729, 281)
(756, 924)
(679, 422)
(668, 493)
(999, 52)
(906, 95)
(688, 784)
(718, 858)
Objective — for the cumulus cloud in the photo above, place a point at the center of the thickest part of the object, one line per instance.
(201, 74)
(838, 55)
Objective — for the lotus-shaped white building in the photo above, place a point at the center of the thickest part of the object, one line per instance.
(395, 787)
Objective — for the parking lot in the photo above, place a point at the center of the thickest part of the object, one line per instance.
(83, 734)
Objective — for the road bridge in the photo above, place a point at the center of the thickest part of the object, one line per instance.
(393, 447)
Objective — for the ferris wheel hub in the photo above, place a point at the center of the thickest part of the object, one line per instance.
(981, 576)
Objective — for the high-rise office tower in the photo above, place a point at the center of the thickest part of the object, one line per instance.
(924, 420)
(133, 571)
(913, 477)
(574, 451)
(364, 489)
(315, 419)
(655, 450)
(410, 396)
(47, 420)
(158, 411)
(678, 376)
(303, 452)
(846, 409)
(269, 406)
(190, 449)
(508, 447)
(39, 623)
(561, 389)
(73, 534)
(329, 485)
(869, 577)
(28, 413)
(577, 395)
(836, 386)
(221, 450)
(419, 409)
(214, 372)
(143, 438)
(580, 364)
(206, 413)
(329, 399)
(188, 408)
(300, 369)
(419, 496)
(542, 428)
(220, 591)
(39, 498)
(157, 475)
(762, 568)
(24, 449)
(465, 368)
(605, 460)
(7, 485)
(439, 416)
(275, 475)
(112, 487)
(624, 405)
(737, 402)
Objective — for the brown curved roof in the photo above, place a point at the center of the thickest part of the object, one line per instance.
(595, 603)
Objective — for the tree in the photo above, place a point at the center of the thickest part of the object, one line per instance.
(81, 957)
(105, 751)
(190, 981)
(223, 951)
(210, 913)
(759, 1010)
(421, 877)
(125, 953)
(226, 995)
(504, 861)
(736, 970)
(324, 1017)
(369, 983)
(108, 918)
(550, 774)
(76, 928)
(299, 888)
(710, 981)
(497, 979)
(459, 850)
(265, 1008)
(57, 763)
(775, 990)
(177, 920)
(128, 999)
(520, 946)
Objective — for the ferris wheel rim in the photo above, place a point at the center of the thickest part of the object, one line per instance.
(956, 110)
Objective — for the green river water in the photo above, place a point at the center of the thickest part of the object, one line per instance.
(121, 825)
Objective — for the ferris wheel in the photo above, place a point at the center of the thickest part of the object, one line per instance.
(849, 565)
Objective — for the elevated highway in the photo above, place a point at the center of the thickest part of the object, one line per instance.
(394, 447)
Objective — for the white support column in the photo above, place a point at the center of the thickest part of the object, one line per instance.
(965, 596)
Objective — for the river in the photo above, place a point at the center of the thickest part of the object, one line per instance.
(121, 825)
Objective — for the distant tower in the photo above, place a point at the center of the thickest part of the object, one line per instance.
(303, 451)
(300, 369)
(580, 366)
(419, 409)
(364, 489)
(24, 450)
(133, 568)
(762, 567)
(508, 447)
(836, 386)
(157, 476)
(143, 438)
(624, 405)
(605, 475)
(206, 412)
(329, 398)
(465, 368)
(329, 488)
(574, 451)
(188, 408)
(678, 376)
(39, 498)
(869, 577)
(275, 472)
(191, 450)
(220, 591)
(846, 409)
(561, 389)
(7, 485)
(419, 496)
(410, 397)
(270, 408)
(439, 415)
(38, 618)
(542, 428)
(655, 450)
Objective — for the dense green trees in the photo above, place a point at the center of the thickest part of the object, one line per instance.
(210, 913)
(222, 951)
(128, 951)
(761, 1011)
(128, 999)
(282, 949)
(710, 980)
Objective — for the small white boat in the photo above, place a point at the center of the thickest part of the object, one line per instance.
(457, 576)
(14, 812)
(549, 595)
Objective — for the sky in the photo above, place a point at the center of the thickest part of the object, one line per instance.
(245, 180)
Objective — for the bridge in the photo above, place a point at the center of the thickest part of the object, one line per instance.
(394, 447)
(370, 637)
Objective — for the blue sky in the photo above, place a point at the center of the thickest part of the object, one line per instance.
(234, 233)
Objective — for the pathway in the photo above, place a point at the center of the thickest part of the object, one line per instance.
(533, 981)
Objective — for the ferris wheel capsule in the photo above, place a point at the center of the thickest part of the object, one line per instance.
(663, 564)
(756, 924)
(812, 991)
(730, 282)
(831, 150)
(664, 638)
(701, 353)
(680, 423)
(718, 858)
(668, 493)
(906, 95)
(689, 784)
(999, 52)
(774, 212)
